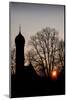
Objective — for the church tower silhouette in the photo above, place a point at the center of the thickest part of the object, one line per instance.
(20, 42)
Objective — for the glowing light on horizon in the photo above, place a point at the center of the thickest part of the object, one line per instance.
(54, 74)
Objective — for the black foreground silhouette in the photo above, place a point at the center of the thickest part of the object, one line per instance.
(27, 83)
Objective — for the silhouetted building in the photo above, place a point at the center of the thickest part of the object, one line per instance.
(19, 41)
(26, 82)
(30, 73)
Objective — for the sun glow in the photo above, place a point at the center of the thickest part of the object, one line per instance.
(54, 74)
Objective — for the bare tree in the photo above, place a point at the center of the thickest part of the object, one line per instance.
(13, 61)
(45, 49)
(61, 52)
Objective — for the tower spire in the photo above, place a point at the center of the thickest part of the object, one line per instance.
(20, 29)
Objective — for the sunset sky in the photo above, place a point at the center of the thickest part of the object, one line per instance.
(35, 17)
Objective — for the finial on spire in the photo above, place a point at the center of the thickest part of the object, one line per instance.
(20, 28)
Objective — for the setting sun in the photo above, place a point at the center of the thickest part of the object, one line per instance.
(54, 74)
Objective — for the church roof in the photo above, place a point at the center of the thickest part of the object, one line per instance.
(19, 37)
